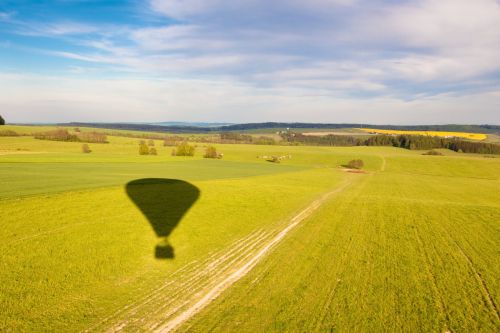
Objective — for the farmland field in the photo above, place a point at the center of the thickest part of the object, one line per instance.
(411, 244)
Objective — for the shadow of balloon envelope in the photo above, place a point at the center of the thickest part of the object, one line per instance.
(163, 202)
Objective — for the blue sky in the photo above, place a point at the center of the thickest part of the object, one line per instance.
(398, 62)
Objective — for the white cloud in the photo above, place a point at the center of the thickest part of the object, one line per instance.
(37, 98)
(442, 40)
(55, 29)
(189, 8)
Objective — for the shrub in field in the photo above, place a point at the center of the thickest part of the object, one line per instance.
(433, 152)
(152, 151)
(231, 137)
(183, 149)
(8, 133)
(151, 143)
(355, 164)
(2, 121)
(264, 140)
(171, 141)
(76, 129)
(56, 135)
(86, 148)
(92, 137)
(143, 149)
(211, 152)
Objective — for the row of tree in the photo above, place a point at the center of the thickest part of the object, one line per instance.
(64, 135)
(181, 149)
(421, 142)
(414, 142)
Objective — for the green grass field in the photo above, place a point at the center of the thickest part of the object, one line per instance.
(412, 244)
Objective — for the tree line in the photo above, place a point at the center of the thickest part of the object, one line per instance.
(413, 142)
(64, 135)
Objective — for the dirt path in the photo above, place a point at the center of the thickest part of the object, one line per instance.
(229, 280)
(382, 168)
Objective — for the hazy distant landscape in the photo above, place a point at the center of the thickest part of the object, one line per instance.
(250, 166)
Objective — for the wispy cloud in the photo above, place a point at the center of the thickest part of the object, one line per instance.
(6, 16)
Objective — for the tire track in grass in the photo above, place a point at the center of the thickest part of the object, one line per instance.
(185, 270)
(488, 298)
(485, 293)
(482, 284)
(162, 317)
(229, 280)
(174, 298)
(441, 305)
(317, 323)
(382, 167)
(194, 286)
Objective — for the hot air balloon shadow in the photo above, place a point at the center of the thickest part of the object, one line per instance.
(163, 202)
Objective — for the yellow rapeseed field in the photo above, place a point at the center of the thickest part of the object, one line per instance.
(472, 136)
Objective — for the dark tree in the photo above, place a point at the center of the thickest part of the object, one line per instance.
(2, 121)
(86, 149)
(184, 149)
(143, 149)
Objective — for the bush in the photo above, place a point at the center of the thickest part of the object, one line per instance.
(151, 143)
(171, 141)
(183, 149)
(433, 153)
(8, 133)
(92, 137)
(264, 140)
(355, 164)
(2, 121)
(86, 149)
(211, 152)
(143, 149)
(152, 151)
(63, 135)
(56, 135)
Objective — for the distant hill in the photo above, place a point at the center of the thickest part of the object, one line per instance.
(177, 127)
(189, 124)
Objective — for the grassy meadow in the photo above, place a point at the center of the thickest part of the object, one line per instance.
(411, 244)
